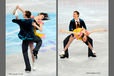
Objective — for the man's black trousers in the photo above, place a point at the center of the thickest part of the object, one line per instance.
(25, 44)
(67, 39)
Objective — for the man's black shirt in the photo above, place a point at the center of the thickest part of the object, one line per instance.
(26, 28)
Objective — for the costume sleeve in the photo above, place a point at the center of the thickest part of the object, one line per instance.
(18, 21)
(36, 22)
(71, 26)
(84, 25)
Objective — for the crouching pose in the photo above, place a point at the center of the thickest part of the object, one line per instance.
(81, 34)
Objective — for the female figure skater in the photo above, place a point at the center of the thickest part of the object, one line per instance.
(81, 34)
(38, 19)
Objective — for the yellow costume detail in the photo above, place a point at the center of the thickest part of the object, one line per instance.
(38, 34)
(78, 30)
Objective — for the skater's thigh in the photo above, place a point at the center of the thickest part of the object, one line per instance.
(37, 39)
(71, 36)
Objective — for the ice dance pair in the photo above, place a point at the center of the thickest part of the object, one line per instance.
(28, 35)
(78, 30)
(81, 34)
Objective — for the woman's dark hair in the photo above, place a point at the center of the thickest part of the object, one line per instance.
(82, 35)
(83, 40)
(77, 12)
(45, 16)
(28, 14)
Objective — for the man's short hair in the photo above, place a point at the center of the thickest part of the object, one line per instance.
(77, 12)
(28, 14)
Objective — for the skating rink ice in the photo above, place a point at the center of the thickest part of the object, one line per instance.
(46, 63)
(95, 15)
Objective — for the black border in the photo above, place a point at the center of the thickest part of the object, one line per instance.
(56, 37)
(111, 38)
(2, 38)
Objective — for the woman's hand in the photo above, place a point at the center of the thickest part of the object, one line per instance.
(17, 6)
(105, 30)
(61, 30)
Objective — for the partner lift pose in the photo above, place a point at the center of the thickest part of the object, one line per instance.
(75, 23)
(81, 34)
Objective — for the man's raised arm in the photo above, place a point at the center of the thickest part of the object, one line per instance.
(20, 9)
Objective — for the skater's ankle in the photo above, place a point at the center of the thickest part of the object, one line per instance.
(93, 51)
(63, 52)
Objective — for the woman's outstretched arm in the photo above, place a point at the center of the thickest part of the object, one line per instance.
(97, 30)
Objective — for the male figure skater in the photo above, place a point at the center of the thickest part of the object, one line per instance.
(27, 35)
(76, 22)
